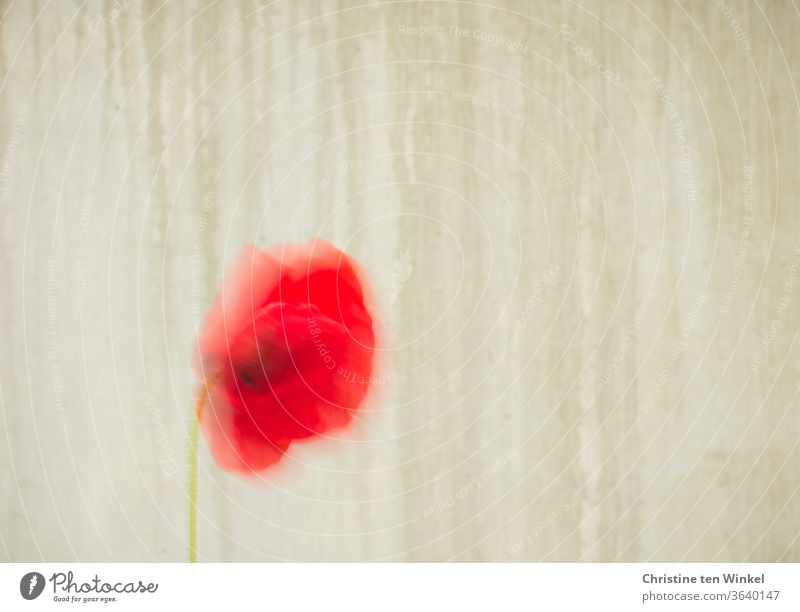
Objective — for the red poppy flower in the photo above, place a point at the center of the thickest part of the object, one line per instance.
(286, 352)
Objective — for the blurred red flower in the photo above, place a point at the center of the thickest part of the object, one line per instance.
(286, 352)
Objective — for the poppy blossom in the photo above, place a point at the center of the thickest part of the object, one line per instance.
(286, 352)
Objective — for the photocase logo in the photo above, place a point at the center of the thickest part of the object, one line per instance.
(31, 585)
(66, 589)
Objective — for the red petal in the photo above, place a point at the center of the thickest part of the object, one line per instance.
(290, 341)
(235, 441)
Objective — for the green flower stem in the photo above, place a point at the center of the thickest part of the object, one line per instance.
(194, 438)
(194, 441)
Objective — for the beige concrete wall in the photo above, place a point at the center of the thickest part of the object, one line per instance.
(581, 219)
